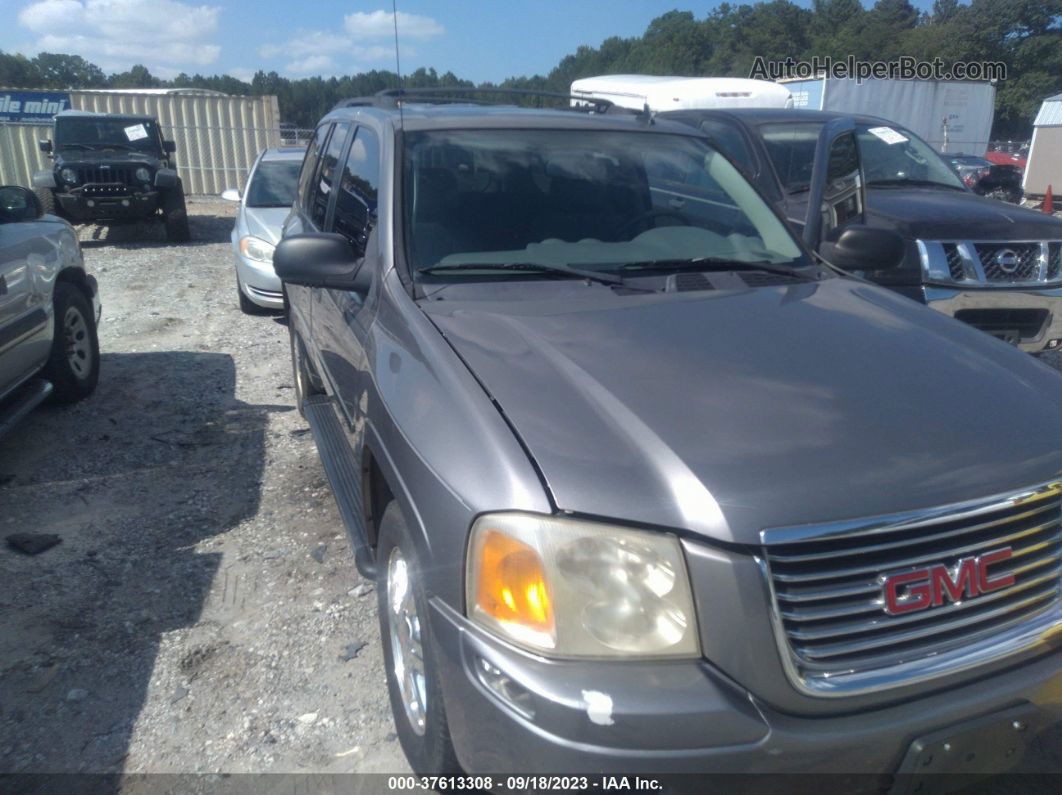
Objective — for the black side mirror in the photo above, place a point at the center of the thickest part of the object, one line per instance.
(45, 144)
(864, 248)
(169, 146)
(323, 259)
(18, 204)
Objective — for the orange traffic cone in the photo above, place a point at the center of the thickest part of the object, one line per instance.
(1049, 202)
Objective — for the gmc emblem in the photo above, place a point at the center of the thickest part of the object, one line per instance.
(933, 585)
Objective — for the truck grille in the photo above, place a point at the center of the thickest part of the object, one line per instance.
(86, 176)
(829, 592)
(991, 262)
(1011, 262)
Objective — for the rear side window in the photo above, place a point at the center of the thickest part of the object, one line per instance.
(309, 163)
(355, 213)
(321, 191)
(729, 140)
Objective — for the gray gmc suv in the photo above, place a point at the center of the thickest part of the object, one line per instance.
(654, 490)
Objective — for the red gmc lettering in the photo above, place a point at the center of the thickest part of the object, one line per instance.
(934, 585)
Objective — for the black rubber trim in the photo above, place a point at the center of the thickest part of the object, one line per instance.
(34, 321)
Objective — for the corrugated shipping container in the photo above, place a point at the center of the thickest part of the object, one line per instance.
(218, 136)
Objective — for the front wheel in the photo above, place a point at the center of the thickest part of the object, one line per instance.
(409, 654)
(74, 364)
(47, 200)
(175, 215)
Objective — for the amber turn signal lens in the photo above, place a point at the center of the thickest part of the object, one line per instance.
(512, 586)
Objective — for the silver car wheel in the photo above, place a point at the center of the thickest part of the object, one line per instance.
(78, 343)
(407, 657)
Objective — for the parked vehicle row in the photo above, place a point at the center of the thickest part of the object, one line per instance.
(645, 484)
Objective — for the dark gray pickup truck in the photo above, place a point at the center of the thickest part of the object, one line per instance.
(648, 489)
(995, 266)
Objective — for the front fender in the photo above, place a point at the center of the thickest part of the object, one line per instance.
(165, 178)
(44, 179)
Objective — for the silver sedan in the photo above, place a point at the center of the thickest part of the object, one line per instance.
(264, 205)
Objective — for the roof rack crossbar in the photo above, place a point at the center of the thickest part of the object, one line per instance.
(390, 97)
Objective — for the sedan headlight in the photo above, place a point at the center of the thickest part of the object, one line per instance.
(143, 174)
(68, 175)
(257, 249)
(570, 588)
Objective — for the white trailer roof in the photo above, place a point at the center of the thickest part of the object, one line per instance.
(1050, 114)
(662, 93)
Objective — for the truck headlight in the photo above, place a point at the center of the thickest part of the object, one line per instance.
(257, 249)
(571, 588)
(68, 175)
(143, 174)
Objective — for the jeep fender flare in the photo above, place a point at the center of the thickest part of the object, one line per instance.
(44, 179)
(166, 178)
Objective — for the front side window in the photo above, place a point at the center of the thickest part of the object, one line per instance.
(322, 187)
(594, 200)
(355, 213)
(274, 184)
(102, 133)
(309, 162)
(891, 156)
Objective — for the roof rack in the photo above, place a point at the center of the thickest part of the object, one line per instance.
(391, 97)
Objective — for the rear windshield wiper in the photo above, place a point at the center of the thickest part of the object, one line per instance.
(534, 267)
(709, 264)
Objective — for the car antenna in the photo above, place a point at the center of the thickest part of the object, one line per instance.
(398, 65)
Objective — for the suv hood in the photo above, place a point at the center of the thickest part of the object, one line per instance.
(727, 412)
(931, 214)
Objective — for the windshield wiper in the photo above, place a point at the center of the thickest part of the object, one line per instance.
(921, 183)
(536, 267)
(118, 146)
(90, 147)
(709, 264)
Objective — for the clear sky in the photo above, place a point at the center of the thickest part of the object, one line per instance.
(476, 39)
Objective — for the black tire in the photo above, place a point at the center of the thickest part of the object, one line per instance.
(74, 363)
(175, 215)
(429, 749)
(47, 200)
(306, 381)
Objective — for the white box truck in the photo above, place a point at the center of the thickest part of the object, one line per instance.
(682, 93)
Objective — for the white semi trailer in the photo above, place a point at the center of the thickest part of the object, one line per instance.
(682, 93)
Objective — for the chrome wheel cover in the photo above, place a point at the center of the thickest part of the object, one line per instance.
(407, 657)
(78, 343)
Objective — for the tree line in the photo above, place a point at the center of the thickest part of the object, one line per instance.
(1025, 35)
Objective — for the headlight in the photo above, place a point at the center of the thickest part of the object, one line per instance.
(257, 249)
(143, 174)
(570, 588)
(68, 175)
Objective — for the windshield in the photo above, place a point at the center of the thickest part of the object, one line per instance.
(107, 133)
(891, 155)
(274, 183)
(596, 201)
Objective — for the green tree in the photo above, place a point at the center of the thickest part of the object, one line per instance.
(68, 71)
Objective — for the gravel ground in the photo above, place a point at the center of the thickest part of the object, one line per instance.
(203, 613)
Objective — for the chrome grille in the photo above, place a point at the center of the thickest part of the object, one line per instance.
(1025, 258)
(120, 175)
(827, 585)
(1054, 260)
(951, 252)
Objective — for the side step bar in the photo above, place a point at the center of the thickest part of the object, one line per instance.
(343, 476)
(25, 400)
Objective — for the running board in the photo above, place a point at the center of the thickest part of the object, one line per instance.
(343, 477)
(26, 400)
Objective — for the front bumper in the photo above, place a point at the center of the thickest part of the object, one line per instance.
(1029, 318)
(685, 716)
(259, 282)
(113, 206)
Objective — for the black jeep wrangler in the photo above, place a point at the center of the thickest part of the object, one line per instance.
(112, 168)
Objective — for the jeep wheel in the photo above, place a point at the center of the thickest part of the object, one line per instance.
(47, 200)
(74, 363)
(175, 215)
(409, 654)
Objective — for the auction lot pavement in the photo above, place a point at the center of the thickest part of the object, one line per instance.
(202, 613)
